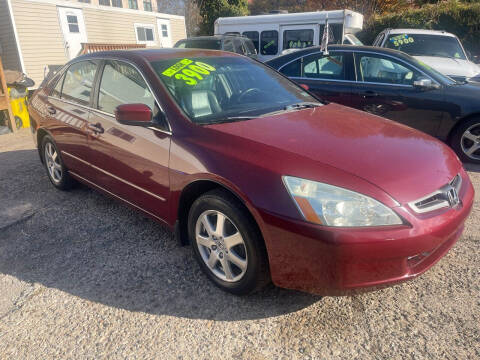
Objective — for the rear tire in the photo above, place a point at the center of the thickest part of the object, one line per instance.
(227, 243)
(466, 141)
(56, 170)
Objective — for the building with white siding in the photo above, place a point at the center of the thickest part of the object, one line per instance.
(37, 33)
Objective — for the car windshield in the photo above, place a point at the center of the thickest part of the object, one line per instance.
(211, 44)
(219, 89)
(426, 45)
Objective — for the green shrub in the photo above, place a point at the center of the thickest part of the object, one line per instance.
(459, 18)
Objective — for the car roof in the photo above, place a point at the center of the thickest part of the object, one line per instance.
(155, 54)
(278, 61)
(420, 31)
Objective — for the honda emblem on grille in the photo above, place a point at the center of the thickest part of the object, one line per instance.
(452, 196)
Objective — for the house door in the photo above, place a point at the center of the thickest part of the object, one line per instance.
(164, 33)
(73, 29)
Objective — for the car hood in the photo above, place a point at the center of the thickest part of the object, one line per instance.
(451, 66)
(401, 161)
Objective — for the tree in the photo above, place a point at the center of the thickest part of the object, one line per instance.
(211, 10)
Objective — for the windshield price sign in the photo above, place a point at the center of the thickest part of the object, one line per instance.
(190, 71)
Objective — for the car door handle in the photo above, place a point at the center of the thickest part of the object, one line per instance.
(51, 110)
(96, 128)
(369, 94)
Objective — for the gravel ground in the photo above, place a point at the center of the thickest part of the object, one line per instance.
(82, 276)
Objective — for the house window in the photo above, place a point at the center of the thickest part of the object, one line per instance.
(104, 2)
(84, 1)
(147, 5)
(145, 34)
(133, 4)
(164, 30)
(117, 3)
(72, 23)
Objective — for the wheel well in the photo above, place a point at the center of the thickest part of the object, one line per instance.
(40, 135)
(460, 123)
(191, 193)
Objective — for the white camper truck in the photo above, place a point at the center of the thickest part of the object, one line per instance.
(273, 34)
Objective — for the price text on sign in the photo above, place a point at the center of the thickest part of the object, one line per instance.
(189, 71)
(401, 40)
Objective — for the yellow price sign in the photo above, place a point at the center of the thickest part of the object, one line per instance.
(403, 39)
(189, 70)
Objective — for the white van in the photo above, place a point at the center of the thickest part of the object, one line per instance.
(273, 34)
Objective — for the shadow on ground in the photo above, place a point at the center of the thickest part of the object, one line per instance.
(95, 248)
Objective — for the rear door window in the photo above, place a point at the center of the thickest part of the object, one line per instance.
(228, 45)
(321, 66)
(269, 42)
(77, 85)
(239, 48)
(253, 35)
(212, 44)
(293, 69)
(249, 47)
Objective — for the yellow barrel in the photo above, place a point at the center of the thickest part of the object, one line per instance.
(18, 101)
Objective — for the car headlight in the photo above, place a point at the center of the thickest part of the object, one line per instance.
(334, 206)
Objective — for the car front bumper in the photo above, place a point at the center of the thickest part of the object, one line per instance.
(338, 261)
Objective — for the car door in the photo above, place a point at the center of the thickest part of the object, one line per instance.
(129, 161)
(385, 87)
(68, 108)
(329, 76)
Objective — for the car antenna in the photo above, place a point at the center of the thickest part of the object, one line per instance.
(325, 38)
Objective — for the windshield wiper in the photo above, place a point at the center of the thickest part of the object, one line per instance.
(302, 105)
(226, 120)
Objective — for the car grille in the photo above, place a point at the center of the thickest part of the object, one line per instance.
(446, 196)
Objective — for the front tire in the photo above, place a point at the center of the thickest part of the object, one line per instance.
(466, 141)
(227, 243)
(56, 170)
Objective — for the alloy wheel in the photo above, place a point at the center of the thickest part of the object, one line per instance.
(52, 161)
(470, 142)
(221, 246)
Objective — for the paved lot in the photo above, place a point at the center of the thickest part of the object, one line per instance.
(82, 276)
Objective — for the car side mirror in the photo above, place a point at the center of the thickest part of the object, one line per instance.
(425, 84)
(134, 114)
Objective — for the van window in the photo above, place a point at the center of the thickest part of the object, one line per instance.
(336, 31)
(269, 42)
(253, 35)
(297, 39)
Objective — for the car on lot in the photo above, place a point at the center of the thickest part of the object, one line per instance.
(263, 180)
(233, 43)
(394, 85)
(441, 50)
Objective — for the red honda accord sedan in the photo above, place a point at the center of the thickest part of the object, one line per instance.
(263, 180)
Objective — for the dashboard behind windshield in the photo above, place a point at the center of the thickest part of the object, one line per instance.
(212, 89)
(426, 45)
